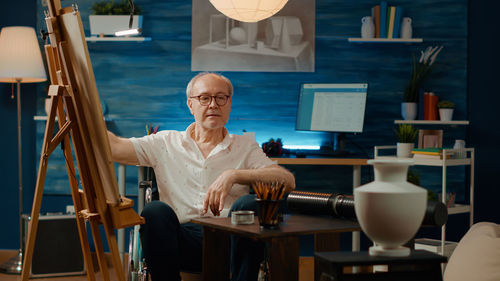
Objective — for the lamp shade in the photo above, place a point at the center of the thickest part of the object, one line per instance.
(248, 10)
(20, 56)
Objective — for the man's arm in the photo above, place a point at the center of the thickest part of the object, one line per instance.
(122, 150)
(218, 191)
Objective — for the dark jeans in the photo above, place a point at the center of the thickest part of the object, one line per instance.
(170, 247)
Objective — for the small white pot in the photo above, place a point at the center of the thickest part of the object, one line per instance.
(108, 25)
(403, 150)
(409, 110)
(445, 114)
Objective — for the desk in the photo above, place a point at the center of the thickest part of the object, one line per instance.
(284, 243)
(356, 164)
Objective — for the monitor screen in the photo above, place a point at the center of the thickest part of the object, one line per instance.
(332, 107)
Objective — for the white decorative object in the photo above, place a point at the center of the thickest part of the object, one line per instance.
(248, 10)
(406, 28)
(404, 149)
(108, 25)
(238, 35)
(409, 110)
(367, 27)
(460, 146)
(445, 114)
(390, 210)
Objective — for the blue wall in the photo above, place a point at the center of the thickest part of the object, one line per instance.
(144, 83)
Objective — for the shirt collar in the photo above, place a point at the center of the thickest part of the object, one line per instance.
(224, 144)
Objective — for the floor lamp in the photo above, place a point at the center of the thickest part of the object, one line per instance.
(20, 62)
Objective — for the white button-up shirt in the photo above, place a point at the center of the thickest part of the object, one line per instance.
(182, 173)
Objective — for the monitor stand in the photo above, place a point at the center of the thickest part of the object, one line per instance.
(335, 147)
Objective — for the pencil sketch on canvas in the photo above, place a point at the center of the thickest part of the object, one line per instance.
(283, 42)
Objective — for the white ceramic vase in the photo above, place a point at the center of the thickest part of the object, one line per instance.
(445, 114)
(409, 110)
(367, 27)
(403, 149)
(390, 210)
(406, 28)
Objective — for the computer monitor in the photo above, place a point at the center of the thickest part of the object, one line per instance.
(332, 107)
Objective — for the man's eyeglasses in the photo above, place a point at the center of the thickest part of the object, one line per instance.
(205, 100)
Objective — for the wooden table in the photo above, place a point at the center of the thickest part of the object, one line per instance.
(356, 164)
(283, 243)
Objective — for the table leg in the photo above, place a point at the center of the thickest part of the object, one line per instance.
(356, 181)
(216, 255)
(284, 259)
(326, 242)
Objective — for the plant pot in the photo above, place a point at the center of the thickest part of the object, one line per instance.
(390, 210)
(409, 110)
(108, 25)
(445, 114)
(403, 150)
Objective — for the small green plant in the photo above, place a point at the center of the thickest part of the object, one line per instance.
(406, 133)
(446, 104)
(413, 177)
(114, 8)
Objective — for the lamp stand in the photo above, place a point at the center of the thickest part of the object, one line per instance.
(15, 264)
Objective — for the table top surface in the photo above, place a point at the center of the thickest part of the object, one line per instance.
(321, 161)
(292, 225)
(364, 258)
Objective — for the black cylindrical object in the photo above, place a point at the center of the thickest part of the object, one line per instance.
(342, 206)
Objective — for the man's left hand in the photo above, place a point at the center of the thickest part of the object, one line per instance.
(217, 193)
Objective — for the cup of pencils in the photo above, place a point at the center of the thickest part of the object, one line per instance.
(269, 199)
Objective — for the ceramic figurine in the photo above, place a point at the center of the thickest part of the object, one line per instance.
(367, 27)
(406, 28)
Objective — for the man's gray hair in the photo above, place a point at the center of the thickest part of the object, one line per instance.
(191, 83)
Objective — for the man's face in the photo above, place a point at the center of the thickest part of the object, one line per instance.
(211, 116)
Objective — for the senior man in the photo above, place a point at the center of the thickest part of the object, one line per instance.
(201, 171)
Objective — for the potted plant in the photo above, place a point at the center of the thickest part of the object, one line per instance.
(109, 17)
(406, 135)
(446, 110)
(420, 71)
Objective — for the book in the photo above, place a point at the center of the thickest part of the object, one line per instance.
(376, 20)
(433, 245)
(421, 104)
(426, 106)
(431, 151)
(398, 17)
(391, 14)
(383, 19)
(428, 156)
(433, 110)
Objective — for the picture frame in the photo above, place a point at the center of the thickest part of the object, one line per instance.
(430, 138)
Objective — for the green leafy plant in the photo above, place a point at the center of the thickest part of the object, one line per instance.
(420, 71)
(446, 104)
(114, 8)
(406, 133)
(413, 177)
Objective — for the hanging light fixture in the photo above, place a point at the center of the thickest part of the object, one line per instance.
(248, 10)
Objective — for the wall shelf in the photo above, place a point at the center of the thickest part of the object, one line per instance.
(44, 118)
(384, 40)
(432, 122)
(117, 39)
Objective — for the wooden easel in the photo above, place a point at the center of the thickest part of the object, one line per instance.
(75, 102)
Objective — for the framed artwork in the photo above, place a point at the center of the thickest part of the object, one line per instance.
(283, 42)
(430, 138)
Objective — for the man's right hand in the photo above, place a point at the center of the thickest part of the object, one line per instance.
(122, 150)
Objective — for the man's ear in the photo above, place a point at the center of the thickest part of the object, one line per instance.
(189, 103)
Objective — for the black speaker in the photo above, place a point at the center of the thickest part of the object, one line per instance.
(57, 249)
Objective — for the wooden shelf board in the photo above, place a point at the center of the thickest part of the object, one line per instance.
(385, 40)
(117, 39)
(459, 209)
(432, 122)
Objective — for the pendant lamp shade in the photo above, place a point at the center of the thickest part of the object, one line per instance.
(20, 56)
(248, 10)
